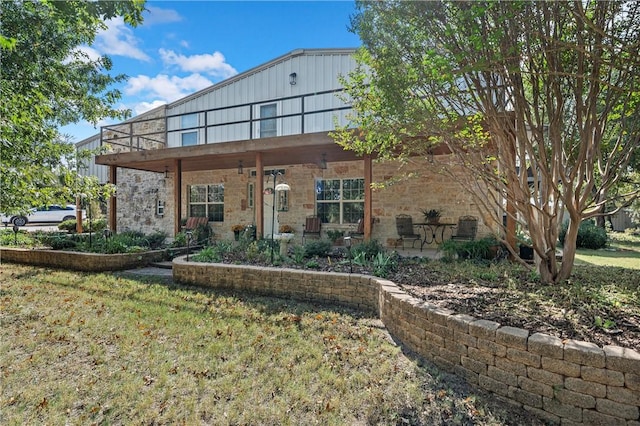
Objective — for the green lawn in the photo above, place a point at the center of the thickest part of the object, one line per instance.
(623, 251)
(98, 349)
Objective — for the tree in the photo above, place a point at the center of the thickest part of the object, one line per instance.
(46, 82)
(538, 101)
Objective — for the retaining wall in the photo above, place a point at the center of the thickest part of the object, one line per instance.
(79, 261)
(568, 382)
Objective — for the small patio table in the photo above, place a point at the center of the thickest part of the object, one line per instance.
(434, 231)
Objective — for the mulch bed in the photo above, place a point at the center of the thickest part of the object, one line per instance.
(529, 304)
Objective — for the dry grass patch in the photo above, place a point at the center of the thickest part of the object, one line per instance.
(93, 348)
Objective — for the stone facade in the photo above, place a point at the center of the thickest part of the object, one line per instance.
(139, 191)
(562, 382)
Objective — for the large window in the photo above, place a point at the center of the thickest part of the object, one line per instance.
(268, 127)
(340, 200)
(207, 201)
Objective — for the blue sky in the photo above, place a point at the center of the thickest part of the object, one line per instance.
(185, 46)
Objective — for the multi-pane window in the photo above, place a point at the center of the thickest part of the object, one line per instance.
(340, 200)
(207, 201)
(268, 123)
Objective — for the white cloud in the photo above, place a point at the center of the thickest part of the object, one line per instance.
(165, 88)
(156, 15)
(118, 40)
(213, 64)
(143, 107)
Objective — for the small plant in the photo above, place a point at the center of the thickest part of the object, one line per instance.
(285, 229)
(431, 215)
(370, 249)
(319, 248)
(208, 254)
(298, 254)
(312, 264)
(334, 234)
(384, 263)
(605, 324)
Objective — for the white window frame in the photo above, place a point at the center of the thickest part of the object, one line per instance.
(340, 199)
(212, 193)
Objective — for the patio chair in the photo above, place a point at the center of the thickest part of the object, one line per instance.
(358, 234)
(312, 226)
(466, 229)
(404, 225)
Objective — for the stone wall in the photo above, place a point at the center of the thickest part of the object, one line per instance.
(77, 261)
(568, 382)
(427, 190)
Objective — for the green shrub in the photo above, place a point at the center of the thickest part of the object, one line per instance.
(369, 249)
(96, 225)
(68, 225)
(474, 250)
(8, 238)
(315, 248)
(58, 241)
(180, 240)
(207, 254)
(589, 236)
(156, 239)
(384, 263)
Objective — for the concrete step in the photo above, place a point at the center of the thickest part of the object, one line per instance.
(162, 265)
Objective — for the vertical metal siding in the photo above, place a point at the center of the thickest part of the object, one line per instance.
(315, 73)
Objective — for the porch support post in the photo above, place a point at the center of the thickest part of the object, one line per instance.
(177, 195)
(259, 196)
(368, 179)
(113, 201)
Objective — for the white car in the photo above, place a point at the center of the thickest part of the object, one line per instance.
(51, 214)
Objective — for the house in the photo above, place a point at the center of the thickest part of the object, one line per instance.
(221, 151)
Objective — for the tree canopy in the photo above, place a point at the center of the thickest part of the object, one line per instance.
(538, 101)
(46, 81)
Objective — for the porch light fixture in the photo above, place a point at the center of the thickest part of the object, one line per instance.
(323, 162)
(166, 172)
(293, 78)
(240, 168)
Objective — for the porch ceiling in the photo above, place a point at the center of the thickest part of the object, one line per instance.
(277, 151)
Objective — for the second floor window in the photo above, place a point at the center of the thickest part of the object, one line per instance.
(268, 127)
(340, 200)
(189, 138)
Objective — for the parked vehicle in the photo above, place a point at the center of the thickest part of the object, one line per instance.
(50, 214)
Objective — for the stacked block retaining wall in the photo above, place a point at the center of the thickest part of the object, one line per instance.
(563, 382)
(79, 261)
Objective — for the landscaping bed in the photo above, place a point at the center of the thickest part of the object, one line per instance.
(599, 304)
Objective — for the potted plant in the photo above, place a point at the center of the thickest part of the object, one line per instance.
(237, 228)
(285, 229)
(525, 246)
(431, 215)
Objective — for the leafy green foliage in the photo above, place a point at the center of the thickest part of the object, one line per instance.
(468, 76)
(479, 250)
(47, 81)
(317, 248)
(590, 236)
(368, 250)
(207, 254)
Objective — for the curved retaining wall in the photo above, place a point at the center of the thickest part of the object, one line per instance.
(568, 382)
(78, 261)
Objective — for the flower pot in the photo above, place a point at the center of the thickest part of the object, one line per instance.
(526, 252)
(236, 235)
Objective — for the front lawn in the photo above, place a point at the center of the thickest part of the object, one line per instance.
(98, 349)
